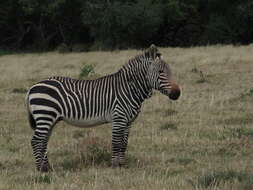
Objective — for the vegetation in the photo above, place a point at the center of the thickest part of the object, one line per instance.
(202, 141)
(80, 25)
(86, 71)
(214, 178)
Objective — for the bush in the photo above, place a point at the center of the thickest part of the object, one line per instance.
(86, 71)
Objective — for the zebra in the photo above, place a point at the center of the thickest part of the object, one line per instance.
(114, 98)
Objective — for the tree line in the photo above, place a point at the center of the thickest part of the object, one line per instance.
(119, 24)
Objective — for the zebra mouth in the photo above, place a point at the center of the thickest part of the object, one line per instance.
(175, 92)
(174, 95)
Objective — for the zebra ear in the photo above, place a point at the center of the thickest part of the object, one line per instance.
(159, 55)
(153, 52)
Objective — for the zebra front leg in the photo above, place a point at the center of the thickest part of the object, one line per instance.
(39, 145)
(118, 142)
(124, 142)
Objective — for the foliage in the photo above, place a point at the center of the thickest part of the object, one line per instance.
(116, 24)
(122, 24)
(86, 71)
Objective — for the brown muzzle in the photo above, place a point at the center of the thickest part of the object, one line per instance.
(175, 92)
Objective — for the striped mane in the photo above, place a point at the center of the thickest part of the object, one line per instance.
(136, 63)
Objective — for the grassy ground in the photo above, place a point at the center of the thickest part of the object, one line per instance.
(202, 141)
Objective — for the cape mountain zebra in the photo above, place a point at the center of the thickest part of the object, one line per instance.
(114, 98)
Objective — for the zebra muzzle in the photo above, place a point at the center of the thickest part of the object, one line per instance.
(175, 92)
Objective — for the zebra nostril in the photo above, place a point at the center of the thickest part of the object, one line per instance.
(175, 92)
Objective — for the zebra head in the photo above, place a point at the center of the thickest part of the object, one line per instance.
(160, 78)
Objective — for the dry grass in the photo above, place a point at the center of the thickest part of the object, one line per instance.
(202, 141)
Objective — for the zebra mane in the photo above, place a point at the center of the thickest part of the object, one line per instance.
(149, 54)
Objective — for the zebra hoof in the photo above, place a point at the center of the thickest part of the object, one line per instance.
(122, 163)
(115, 163)
(119, 164)
(45, 168)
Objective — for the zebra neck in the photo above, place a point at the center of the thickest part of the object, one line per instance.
(140, 89)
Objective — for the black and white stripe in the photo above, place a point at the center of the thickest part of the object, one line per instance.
(114, 98)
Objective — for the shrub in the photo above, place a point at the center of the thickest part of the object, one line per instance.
(86, 71)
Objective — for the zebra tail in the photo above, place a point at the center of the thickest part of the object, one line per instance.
(30, 117)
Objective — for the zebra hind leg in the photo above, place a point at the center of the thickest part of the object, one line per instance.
(39, 145)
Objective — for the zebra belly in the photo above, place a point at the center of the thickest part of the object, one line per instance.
(91, 122)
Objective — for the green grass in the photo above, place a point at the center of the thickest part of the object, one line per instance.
(202, 141)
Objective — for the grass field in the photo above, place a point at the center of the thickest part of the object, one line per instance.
(202, 141)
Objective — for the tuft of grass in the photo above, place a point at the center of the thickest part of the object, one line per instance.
(170, 112)
(71, 164)
(225, 152)
(215, 178)
(95, 152)
(168, 126)
(2, 166)
(181, 160)
(173, 172)
(19, 90)
(89, 152)
(239, 132)
(86, 71)
(195, 70)
(243, 120)
(249, 93)
(202, 78)
(43, 179)
(245, 96)
(78, 134)
(135, 162)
